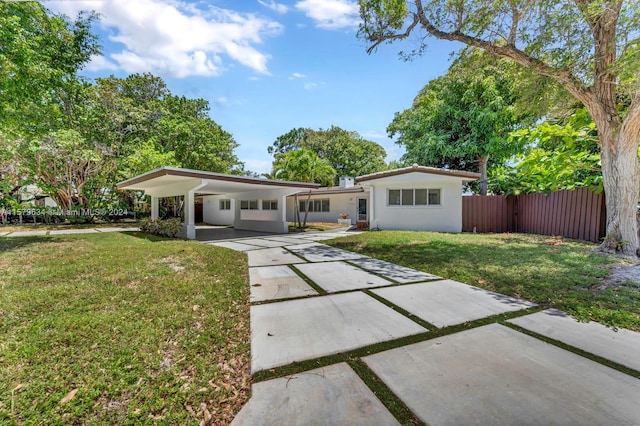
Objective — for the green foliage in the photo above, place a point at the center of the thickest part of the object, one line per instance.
(41, 52)
(463, 119)
(303, 165)
(164, 227)
(560, 156)
(140, 118)
(347, 152)
(146, 157)
(72, 170)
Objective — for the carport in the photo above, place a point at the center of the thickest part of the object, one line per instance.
(172, 182)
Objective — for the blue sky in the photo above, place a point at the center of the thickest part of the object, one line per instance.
(265, 66)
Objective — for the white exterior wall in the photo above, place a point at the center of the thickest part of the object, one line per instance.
(338, 204)
(447, 217)
(211, 212)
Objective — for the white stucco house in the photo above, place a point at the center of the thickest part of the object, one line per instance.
(415, 198)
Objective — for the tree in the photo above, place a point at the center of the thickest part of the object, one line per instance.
(347, 152)
(590, 47)
(462, 120)
(73, 171)
(561, 155)
(140, 110)
(302, 165)
(39, 53)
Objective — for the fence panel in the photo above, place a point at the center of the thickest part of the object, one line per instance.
(578, 214)
(487, 213)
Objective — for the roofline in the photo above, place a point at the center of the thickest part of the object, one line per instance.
(322, 191)
(199, 174)
(420, 169)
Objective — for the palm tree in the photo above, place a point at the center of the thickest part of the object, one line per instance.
(303, 165)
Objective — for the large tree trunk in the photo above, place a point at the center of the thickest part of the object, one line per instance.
(621, 178)
(482, 165)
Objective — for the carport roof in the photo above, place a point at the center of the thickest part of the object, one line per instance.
(216, 183)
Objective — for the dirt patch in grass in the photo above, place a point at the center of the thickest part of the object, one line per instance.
(624, 274)
(100, 329)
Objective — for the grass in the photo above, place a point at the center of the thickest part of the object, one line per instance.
(127, 223)
(121, 329)
(315, 226)
(549, 271)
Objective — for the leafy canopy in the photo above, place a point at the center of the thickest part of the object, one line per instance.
(346, 151)
(303, 165)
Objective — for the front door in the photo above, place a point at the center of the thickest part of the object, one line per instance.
(363, 215)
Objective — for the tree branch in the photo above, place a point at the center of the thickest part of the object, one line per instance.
(563, 76)
(398, 36)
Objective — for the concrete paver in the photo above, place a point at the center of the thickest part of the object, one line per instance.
(297, 330)
(622, 346)
(263, 242)
(73, 231)
(392, 271)
(332, 395)
(445, 303)
(235, 245)
(340, 276)
(2, 234)
(288, 240)
(322, 237)
(27, 233)
(272, 256)
(316, 252)
(495, 375)
(277, 282)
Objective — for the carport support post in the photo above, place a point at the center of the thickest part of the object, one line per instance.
(189, 215)
(154, 207)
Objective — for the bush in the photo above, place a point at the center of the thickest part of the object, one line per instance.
(164, 227)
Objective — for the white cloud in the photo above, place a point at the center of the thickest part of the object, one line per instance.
(175, 38)
(310, 86)
(277, 7)
(296, 75)
(331, 14)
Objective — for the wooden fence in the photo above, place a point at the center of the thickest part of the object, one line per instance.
(579, 214)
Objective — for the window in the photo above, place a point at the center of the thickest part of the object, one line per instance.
(394, 197)
(421, 197)
(269, 204)
(321, 205)
(225, 204)
(413, 197)
(407, 197)
(249, 205)
(434, 197)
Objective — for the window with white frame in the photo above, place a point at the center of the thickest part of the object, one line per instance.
(269, 204)
(225, 204)
(413, 197)
(320, 205)
(249, 205)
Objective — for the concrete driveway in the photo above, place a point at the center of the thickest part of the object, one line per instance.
(330, 327)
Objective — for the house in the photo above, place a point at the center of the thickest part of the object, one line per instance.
(412, 198)
(416, 198)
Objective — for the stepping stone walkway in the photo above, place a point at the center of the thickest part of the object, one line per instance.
(484, 372)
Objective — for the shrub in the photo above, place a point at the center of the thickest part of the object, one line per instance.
(164, 227)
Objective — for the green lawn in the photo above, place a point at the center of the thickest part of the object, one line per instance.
(549, 271)
(121, 329)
